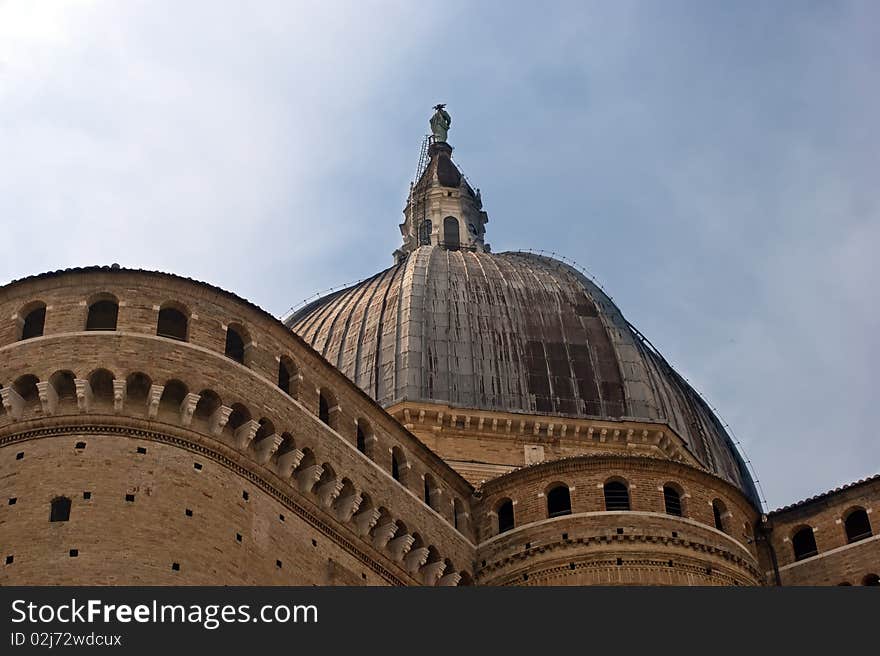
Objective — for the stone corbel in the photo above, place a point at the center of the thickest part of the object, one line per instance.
(267, 446)
(306, 478)
(83, 394)
(153, 398)
(382, 534)
(347, 506)
(289, 461)
(365, 520)
(432, 572)
(48, 397)
(415, 559)
(400, 546)
(13, 402)
(188, 408)
(244, 434)
(328, 491)
(450, 579)
(119, 391)
(218, 419)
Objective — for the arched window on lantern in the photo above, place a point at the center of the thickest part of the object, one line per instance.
(672, 500)
(451, 238)
(857, 525)
(616, 495)
(103, 313)
(718, 512)
(425, 228)
(558, 500)
(804, 543)
(33, 320)
(504, 510)
(173, 323)
(236, 341)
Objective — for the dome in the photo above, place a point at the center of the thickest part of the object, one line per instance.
(511, 332)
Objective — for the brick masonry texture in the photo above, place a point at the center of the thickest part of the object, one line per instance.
(180, 463)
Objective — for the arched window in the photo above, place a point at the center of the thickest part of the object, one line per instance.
(326, 403)
(398, 465)
(172, 397)
(60, 510)
(430, 484)
(718, 510)
(425, 229)
(103, 314)
(616, 496)
(234, 344)
(286, 371)
(101, 382)
(857, 525)
(172, 323)
(672, 500)
(804, 543)
(34, 321)
(64, 383)
(558, 501)
(459, 515)
(451, 238)
(505, 515)
(361, 440)
(137, 389)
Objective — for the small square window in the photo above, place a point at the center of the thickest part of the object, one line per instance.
(142, 449)
(281, 517)
(129, 497)
(363, 576)
(571, 566)
(74, 553)
(620, 531)
(525, 577)
(620, 561)
(87, 495)
(9, 559)
(278, 564)
(19, 456)
(175, 567)
(189, 513)
(245, 495)
(565, 536)
(12, 500)
(238, 537)
(314, 543)
(528, 545)
(79, 445)
(675, 534)
(197, 466)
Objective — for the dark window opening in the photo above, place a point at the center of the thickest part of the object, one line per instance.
(197, 466)
(283, 377)
(857, 526)
(189, 513)
(672, 499)
(175, 567)
(323, 409)
(558, 501)
(361, 440)
(396, 465)
(804, 543)
(19, 455)
(74, 553)
(12, 500)
(87, 495)
(34, 323)
(102, 315)
(427, 492)
(505, 516)
(620, 531)
(278, 564)
(79, 445)
(616, 496)
(425, 229)
(9, 559)
(60, 510)
(281, 517)
(245, 495)
(141, 450)
(129, 498)
(451, 238)
(717, 513)
(238, 537)
(172, 323)
(234, 346)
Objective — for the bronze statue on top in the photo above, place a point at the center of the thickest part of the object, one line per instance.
(440, 122)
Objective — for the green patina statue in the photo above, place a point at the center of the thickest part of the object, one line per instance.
(440, 122)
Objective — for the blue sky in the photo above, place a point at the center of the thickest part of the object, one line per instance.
(715, 165)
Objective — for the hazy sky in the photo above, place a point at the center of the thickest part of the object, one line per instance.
(715, 165)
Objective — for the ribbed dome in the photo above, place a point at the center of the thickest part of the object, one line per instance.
(512, 332)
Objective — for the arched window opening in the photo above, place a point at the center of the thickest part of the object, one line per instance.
(172, 397)
(234, 344)
(431, 491)
(172, 323)
(804, 543)
(101, 382)
(137, 389)
(451, 238)
(425, 229)
(459, 515)
(505, 515)
(237, 417)
(718, 510)
(34, 322)
(361, 440)
(398, 465)
(857, 525)
(207, 405)
(871, 579)
(672, 500)
(64, 383)
(285, 375)
(616, 496)
(103, 315)
(558, 501)
(323, 409)
(60, 511)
